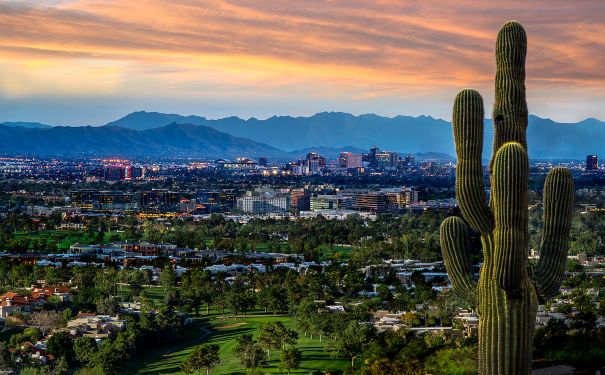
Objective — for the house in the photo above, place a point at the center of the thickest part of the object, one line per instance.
(385, 321)
(36, 351)
(95, 326)
(335, 308)
(61, 292)
(12, 303)
(71, 226)
(470, 322)
(542, 318)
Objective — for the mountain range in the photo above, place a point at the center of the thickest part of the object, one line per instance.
(170, 140)
(153, 133)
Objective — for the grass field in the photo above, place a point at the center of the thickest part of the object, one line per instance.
(154, 293)
(337, 252)
(64, 239)
(223, 331)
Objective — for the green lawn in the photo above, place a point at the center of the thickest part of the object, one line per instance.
(336, 252)
(223, 332)
(64, 239)
(155, 294)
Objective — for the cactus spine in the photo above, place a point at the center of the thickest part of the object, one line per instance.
(506, 295)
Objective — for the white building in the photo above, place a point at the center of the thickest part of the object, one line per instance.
(265, 203)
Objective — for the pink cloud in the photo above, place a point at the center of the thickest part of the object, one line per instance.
(381, 48)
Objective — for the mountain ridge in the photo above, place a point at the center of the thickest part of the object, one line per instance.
(170, 140)
(26, 124)
(327, 132)
(547, 139)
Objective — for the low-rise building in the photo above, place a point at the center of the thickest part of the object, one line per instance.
(95, 326)
(264, 203)
(13, 303)
(60, 292)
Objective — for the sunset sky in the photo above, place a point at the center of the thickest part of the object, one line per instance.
(68, 62)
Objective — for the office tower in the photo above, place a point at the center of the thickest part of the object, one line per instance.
(327, 202)
(300, 200)
(385, 160)
(85, 198)
(228, 199)
(209, 200)
(349, 160)
(116, 170)
(592, 163)
(266, 203)
(313, 163)
(373, 202)
(372, 157)
(159, 200)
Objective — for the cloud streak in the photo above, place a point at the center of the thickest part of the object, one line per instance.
(350, 55)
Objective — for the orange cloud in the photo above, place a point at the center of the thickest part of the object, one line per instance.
(352, 49)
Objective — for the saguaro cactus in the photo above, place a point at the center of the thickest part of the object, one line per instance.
(506, 294)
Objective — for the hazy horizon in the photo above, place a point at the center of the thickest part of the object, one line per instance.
(265, 118)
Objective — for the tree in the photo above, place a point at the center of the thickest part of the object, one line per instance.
(352, 340)
(290, 358)
(90, 371)
(353, 282)
(60, 366)
(136, 279)
(66, 316)
(60, 345)
(203, 357)
(249, 352)
(168, 277)
(45, 320)
(85, 349)
(6, 358)
(30, 334)
(235, 299)
(109, 306)
(321, 323)
(275, 335)
(33, 371)
(454, 361)
(109, 359)
(305, 311)
(383, 292)
(387, 366)
(273, 298)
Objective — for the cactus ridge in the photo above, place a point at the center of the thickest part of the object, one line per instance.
(505, 295)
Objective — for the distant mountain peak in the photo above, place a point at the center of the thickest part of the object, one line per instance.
(592, 121)
(142, 120)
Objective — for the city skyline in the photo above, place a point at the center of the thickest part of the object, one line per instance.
(87, 62)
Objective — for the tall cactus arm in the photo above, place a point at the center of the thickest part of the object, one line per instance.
(509, 188)
(558, 205)
(455, 244)
(510, 106)
(467, 124)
